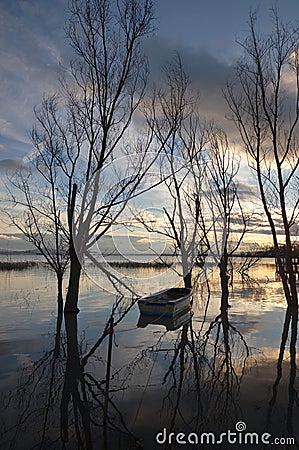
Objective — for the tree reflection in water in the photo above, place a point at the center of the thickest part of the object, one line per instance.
(290, 326)
(204, 377)
(65, 400)
(35, 400)
(60, 381)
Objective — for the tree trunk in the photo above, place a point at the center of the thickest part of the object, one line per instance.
(71, 303)
(58, 335)
(72, 297)
(59, 294)
(188, 279)
(291, 275)
(224, 278)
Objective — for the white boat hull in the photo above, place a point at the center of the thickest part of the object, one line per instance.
(163, 303)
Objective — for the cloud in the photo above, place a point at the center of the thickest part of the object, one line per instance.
(10, 237)
(247, 191)
(208, 75)
(31, 49)
(11, 165)
(13, 242)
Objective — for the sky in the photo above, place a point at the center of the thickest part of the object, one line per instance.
(33, 46)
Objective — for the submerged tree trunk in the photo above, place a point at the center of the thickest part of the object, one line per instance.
(287, 276)
(224, 279)
(71, 303)
(72, 297)
(59, 293)
(188, 279)
(291, 275)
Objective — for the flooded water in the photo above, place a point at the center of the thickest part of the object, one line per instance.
(205, 379)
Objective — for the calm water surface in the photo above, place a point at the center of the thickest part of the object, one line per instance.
(205, 376)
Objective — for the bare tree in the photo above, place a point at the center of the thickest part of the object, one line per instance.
(81, 131)
(106, 85)
(228, 222)
(174, 118)
(265, 106)
(36, 194)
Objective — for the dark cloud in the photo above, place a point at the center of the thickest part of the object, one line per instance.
(207, 74)
(208, 77)
(32, 47)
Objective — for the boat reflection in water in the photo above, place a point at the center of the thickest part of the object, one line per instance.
(171, 323)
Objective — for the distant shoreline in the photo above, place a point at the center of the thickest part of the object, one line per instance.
(125, 264)
(241, 254)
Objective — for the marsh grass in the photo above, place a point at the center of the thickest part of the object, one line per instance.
(26, 265)
(17, 265)
(137, 264)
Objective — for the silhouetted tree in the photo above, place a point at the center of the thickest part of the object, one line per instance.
(228, 221)
(37, 204)
(82, 130)
(173, 116)
(264, 101)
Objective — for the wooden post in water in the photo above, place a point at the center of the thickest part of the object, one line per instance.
(108, 369)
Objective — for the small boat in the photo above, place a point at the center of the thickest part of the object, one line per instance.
(167, 302)
(171, 323)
